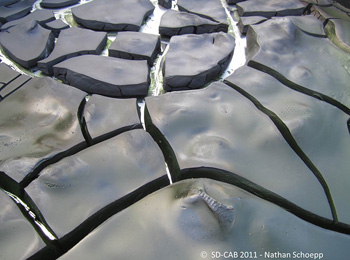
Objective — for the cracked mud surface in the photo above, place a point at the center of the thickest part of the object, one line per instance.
(164, 129)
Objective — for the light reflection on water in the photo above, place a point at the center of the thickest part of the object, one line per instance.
(239, 57)
(37, 222)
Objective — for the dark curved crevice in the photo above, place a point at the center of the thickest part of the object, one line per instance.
(239, 181)
(82, 121)
(165, 147)
(182, 9)
(287, 135)
(297, 87)
(114, 133)
(11, 186)
(45, 163)
(313, 34)
(85, 129)
(89, 141)
(10, 81)
(348, 123)
(86, 227)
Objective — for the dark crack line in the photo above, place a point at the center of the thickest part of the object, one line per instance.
(87, 226)
(49, 161)
(165, 147)
(161, 141)
(251, 187)
(7, 83)
(16, 88)
(287, 135)
(234, 179)
(114, 133)
(85, 130)
(182, 9)
(11, 186)
(297, 87)
(82, 121)
(89, 142)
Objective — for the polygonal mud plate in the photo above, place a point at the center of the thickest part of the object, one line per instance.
(104, 115)
(14, 11)
(198, 219)
(165, 3)
(310, 64)
(107, 76)
(178, 23)
(309, 24)
(320, 129)
(218, 128)
(73, 189)
(19, 239)
(56, 26)
(27, 43)
(194, 60)
(135, 46)
(269, 8)
(318, 2)
(211, 9)
(8, 2)
(37, 122)
(244, 22)
(328, 12)
(41, 16)
(111, 15)
(73, 42)
(57, 3)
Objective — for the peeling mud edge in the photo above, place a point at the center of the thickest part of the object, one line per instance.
(33, 72)
(109, 27)
(236, 180)
(329, 28)
(211, 75)
(10, 186)
(68, 241)
(95, 86)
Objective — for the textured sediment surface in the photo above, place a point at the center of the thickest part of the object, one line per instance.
(138, 129)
